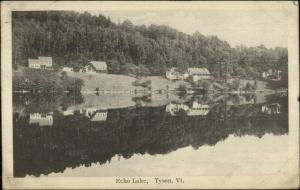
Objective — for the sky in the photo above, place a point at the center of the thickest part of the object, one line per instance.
(237, 27)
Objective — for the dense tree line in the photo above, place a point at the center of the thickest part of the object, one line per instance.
(73, 38)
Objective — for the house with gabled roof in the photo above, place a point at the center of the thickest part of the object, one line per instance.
(95, 67)
(199, 73)
(195, 73)
(41, 63)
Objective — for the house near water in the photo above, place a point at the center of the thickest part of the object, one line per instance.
(199, 73)
(67, 69)
(40, 63)
(68, 112)
(195, 73)
(174, 74)
(95, 67)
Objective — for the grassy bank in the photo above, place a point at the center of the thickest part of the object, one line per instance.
(123, 82)
(44, 81)
(105, 81)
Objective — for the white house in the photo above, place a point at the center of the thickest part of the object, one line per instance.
(199, 73)
(68, 112)
(196, 74)
(95, 67)
(67, 69)
(173, 74)
(40, 63)
(41, 119)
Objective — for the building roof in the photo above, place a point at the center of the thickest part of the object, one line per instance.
(198, 71)
(41, 60)
(35, 61)
(45, 58)
(99, 65)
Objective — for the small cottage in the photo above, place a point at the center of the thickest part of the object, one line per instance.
(173, 74)
(199, 73)
(40, 63)
(68, 112)
(67, 69)
(95, 67)
(195, 73)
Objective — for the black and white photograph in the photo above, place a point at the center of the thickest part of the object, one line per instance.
(149, 97)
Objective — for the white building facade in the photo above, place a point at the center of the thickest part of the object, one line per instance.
(40, 63)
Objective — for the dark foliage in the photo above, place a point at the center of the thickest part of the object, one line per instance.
(72, 39)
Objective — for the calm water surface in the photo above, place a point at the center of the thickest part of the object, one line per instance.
(121, 135)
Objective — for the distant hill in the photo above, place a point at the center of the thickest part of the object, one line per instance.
(73, 38)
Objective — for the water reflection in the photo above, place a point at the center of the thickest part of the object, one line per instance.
(195, 109)
(271, 109)
(41, 119)
(55, 133)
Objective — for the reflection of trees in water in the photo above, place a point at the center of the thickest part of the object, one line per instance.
(29, 103)
(74, 140)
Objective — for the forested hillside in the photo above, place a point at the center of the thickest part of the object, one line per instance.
(73, 38)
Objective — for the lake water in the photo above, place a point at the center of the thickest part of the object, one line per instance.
(158, 135)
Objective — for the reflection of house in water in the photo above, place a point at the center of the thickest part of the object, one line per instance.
(174, 109)
(41, 119)
(271, 109)
(195, 110)
(95, 114)
(272, 74)
(198, 109)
